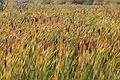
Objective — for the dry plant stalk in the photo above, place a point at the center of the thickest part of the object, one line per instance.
(5, 55)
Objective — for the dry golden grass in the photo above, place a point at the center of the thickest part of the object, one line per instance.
(65, 42)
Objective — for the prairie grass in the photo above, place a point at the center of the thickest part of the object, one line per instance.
(67, 42)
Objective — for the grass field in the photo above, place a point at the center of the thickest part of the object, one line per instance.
(65, 42)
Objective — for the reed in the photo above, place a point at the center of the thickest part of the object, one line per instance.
(65, 42)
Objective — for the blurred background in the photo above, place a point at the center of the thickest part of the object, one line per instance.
(20, 4)
(73, 1)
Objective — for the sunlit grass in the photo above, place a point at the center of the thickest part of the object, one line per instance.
(69, 42)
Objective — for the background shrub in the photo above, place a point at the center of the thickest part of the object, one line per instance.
(22, 4)
(2, 4)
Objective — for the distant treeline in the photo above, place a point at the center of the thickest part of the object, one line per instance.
(20, 4)
(78, 1)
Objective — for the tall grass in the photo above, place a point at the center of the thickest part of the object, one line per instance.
(67, 42)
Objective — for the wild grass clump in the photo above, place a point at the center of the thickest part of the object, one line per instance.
(69, 42)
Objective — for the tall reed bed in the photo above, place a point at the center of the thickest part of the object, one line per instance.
(69, 42)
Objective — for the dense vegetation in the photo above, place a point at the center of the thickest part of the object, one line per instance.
(76, 1)
(19, 4)
(60, 42)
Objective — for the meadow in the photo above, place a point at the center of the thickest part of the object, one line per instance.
(60, 42)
